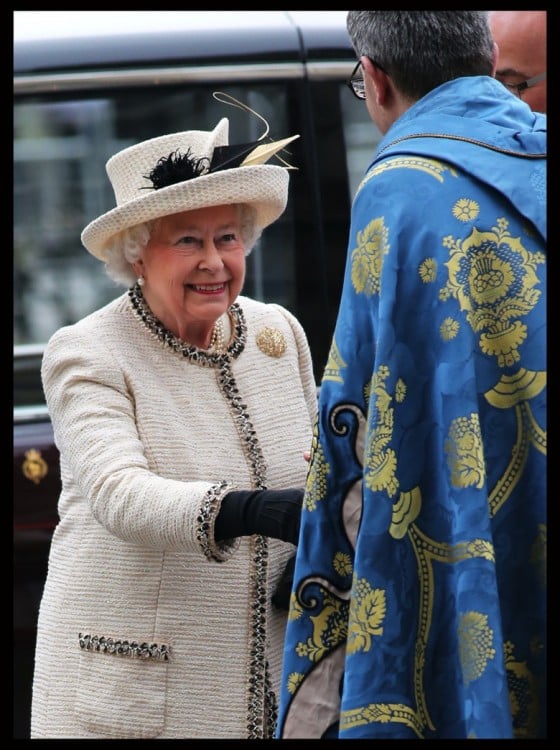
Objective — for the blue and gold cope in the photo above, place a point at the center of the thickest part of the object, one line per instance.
(419, 604)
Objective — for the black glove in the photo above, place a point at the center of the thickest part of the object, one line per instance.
(274, 513)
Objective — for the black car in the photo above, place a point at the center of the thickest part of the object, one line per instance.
(89, 83)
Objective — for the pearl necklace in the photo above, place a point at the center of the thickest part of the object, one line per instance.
(218, 340)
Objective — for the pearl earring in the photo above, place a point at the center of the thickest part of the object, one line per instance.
(140, 281)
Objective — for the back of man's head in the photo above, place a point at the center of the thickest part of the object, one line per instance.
(421, 49)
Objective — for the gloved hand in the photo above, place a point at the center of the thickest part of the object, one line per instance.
(274, 513)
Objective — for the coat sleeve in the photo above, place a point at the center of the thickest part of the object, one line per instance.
(103, 458)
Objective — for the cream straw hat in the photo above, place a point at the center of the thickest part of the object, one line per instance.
(231, 174)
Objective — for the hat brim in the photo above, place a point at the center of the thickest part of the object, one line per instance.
(264, 186)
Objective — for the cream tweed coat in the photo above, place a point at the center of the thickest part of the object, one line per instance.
(147, 627)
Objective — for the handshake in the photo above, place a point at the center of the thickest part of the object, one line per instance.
(273, 513)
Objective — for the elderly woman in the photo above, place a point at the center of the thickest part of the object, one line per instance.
(182, 411)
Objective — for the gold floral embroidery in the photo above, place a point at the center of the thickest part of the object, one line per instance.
(475, 645)
(400, 391)
(465, 209)
(523, 695)
(316, 484)
(367, 257)
(493, 277)
(368, 608)
(465, 456)
(342, 564)
(329, 628)
(427, 270)
(294, 680)
(380, 461)
(449, 329)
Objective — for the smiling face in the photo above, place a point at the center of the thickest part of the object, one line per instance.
(194, 268)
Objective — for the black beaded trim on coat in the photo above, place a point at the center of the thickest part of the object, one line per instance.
(242, 421)
(262, 709)
(218, 551)
(159, 652)
(263, 713)
(203, 357)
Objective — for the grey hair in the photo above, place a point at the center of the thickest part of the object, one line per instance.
(126, 247)
(421, 49)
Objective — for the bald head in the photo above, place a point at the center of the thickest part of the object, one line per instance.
(521, 39)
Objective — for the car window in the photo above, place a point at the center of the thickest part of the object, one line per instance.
(361, 137)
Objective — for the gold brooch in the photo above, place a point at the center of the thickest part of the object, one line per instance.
(271, 341)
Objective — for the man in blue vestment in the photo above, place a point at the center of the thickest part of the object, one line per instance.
(418, 608)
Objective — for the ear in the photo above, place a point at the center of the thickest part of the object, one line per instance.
(495, 61)
(138, 266)
(379, 79)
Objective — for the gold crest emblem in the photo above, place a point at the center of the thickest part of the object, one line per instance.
(34, 467)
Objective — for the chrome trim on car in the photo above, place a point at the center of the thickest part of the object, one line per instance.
(28, 350)
(43, 82)
(32, 84)
(25, 414)
(326, 71)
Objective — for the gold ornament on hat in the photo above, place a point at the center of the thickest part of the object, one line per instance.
(271, 341)
(248, 154)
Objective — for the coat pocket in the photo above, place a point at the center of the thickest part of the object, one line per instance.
(121, 687)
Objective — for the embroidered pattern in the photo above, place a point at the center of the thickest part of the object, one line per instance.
(427, 270)
(465, 455)
(524, 695)
(379, 458)
(334, 365)
(432, 167)
(329, 622)
(368, 608)
(316, 484)
(493, 277)
(475, 645)
(367, 257)
(356, 615)
(449, 329)
(466, 209)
